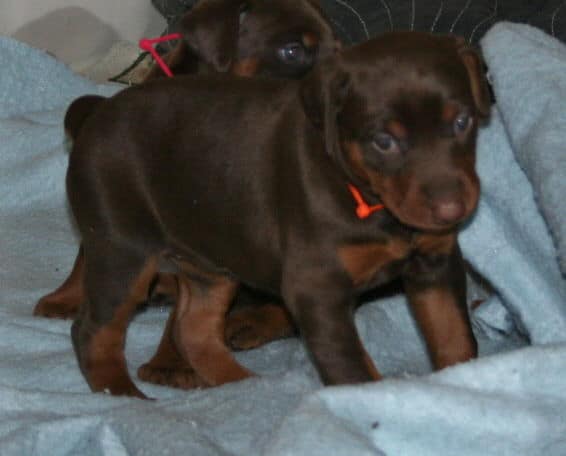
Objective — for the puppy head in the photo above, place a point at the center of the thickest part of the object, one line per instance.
(280, 38)
(400, 115)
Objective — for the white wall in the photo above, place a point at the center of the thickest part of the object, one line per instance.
(78, 30)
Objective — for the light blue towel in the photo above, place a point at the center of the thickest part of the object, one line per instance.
(531, 91)
(512, 401)
(508, 242)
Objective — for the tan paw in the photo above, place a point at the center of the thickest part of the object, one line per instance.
(49, 307)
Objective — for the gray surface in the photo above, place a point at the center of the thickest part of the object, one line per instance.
(356, 20)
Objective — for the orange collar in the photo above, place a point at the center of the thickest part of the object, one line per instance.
(363, 210)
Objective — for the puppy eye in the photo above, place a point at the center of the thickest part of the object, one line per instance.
(385, 143)
(462, 122)
(292, 53)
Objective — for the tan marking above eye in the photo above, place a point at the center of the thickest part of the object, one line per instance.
(449, 112)
(310, 40)
(397, 129)
(363, 262)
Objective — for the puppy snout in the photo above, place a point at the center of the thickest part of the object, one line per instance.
(446, 201)
(448, 212)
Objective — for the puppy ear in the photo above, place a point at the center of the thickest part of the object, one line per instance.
(211, 31)
(323, 93)
(478, 81)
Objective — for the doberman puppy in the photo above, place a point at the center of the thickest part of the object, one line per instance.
(263, 182)
(280, 38)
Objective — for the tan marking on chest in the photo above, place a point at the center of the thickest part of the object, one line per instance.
(363, 262)
(431, 243)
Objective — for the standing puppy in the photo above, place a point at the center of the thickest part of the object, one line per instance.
(276, 207)
(279, 38)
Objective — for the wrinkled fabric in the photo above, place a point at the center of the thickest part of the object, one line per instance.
(510, 401)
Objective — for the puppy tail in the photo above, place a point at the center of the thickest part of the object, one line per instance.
(78, 112)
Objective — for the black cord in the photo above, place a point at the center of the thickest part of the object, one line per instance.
(135, 63)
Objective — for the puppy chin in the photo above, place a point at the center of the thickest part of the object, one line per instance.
(423, 218)
(435, 215)
(428, 226)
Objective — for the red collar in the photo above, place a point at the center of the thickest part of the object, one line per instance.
(147, 45)
(363, 210)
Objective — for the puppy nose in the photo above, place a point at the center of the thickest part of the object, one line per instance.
(445, 200)
(448, 212)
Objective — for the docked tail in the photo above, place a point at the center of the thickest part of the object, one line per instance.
(78, 111)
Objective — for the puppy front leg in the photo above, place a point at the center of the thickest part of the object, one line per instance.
(324, 316)
(435, 284)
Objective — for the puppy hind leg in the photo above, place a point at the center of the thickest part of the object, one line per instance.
(164, 291)
(167, 367)
(199, 328)
(65, 301)
(116, 281)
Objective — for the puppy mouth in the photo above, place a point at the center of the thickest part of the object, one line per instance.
(437, 216)
(435, 204)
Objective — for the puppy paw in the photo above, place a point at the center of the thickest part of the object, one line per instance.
(243, 335)
(256, 326)
(123, 388)
(52, 308)
(182, 376)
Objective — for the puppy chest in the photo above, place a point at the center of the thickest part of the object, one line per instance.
(373, 263)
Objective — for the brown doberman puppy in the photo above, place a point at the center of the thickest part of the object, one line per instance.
(280, 38)
(250, 181)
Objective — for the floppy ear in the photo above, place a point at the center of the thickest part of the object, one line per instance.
(478, 81)
(211, 31)
(323, 93)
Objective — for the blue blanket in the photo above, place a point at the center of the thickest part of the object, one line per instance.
(511, 401)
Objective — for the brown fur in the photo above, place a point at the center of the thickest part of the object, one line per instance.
(245, 38)
(270, 206)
